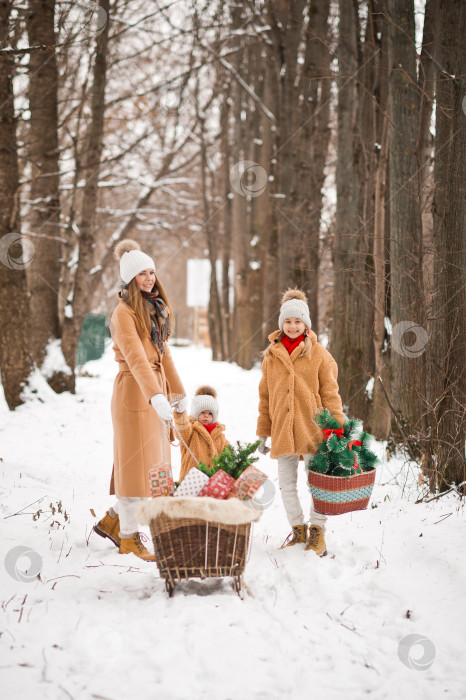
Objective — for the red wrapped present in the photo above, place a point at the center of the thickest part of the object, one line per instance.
(247, 484)
(161, 480)
(219, 485)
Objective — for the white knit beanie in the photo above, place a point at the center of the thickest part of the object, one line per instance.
(204, 400)
(132, 260)
(294, 305)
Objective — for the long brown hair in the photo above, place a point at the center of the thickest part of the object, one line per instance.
(141, 308)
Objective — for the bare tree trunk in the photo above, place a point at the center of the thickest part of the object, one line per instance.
(43, 276)
(409, 336)
(15, 358)
(447, 380)
(82, 282)
(343, 345)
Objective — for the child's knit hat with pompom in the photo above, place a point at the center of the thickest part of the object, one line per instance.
(204, 400)
(132, 259)
(294, 305)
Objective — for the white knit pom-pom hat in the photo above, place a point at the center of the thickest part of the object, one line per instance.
(294, 305)
(204, 400)
(132, 260)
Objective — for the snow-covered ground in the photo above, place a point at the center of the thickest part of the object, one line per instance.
(97, 624)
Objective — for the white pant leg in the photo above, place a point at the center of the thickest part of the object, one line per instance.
(127, 507)
(287, 481)
(315, 518)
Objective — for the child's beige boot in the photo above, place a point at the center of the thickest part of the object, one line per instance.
(296, 536)
(316, 541)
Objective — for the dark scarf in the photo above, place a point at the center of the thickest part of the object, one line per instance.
(159, 316)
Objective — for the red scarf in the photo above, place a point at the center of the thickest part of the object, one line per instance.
(290, 345)
(210, 427)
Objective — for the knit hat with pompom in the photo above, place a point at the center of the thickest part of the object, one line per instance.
(204, 400)
(294, 305)
(132, 259)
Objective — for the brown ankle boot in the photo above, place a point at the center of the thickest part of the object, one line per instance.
(109, 527)
(316, 541)
(133, 545)
(297, 536)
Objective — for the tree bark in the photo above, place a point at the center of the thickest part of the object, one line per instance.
(82, 282)
(447, 380)
(44, 275)
(15, 251)
(409, 336)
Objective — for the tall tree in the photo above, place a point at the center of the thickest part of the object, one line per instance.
(93, 153)
(407, 296)
(447, 380)
(43, 220)
(15, 253)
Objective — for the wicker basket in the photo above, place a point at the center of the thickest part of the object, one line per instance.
(334, 495)
(195, 547)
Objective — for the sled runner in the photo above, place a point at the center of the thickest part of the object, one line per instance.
(199, 537)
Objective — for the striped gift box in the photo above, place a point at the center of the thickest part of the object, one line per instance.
(334, 495)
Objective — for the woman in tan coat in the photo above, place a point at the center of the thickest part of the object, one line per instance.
(299, 377)
(141, 412)
(202, 434)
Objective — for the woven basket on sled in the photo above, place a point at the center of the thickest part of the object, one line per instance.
(334, 495)
(198, 547)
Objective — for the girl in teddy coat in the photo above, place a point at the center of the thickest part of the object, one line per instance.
(299, 378)
(200, 430)
(140, 325)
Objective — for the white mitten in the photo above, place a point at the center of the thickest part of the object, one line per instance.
(182, 405)
(263, 449)
(161, 405)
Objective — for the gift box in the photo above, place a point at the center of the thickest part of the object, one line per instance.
(161, 480)
(192, 484)
(219, 485)
(247, 484)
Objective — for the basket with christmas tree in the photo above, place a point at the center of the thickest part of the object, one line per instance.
(341, 474)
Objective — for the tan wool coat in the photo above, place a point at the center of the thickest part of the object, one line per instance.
(291, 391)
(203, 445)
(137, 429)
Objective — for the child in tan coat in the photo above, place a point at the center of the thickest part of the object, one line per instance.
(200, 430)
(299, 379)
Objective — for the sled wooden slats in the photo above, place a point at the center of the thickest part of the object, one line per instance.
(192, 548)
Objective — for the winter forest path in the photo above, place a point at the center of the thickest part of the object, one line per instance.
(97, 624)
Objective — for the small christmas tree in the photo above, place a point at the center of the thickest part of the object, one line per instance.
(340, 453)
(232, 460)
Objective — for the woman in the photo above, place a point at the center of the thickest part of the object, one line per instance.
(140, 325)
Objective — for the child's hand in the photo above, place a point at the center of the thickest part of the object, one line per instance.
(182, 405)
(263, 449)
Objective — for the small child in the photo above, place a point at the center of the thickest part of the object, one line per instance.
(299, 379)
(200, 430)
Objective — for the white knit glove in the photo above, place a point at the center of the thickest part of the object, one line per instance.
(182, 405)
(263, 449)
(161, 405)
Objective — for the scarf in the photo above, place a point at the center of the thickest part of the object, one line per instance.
(159, 316)
(210, 427)
(290, 345)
